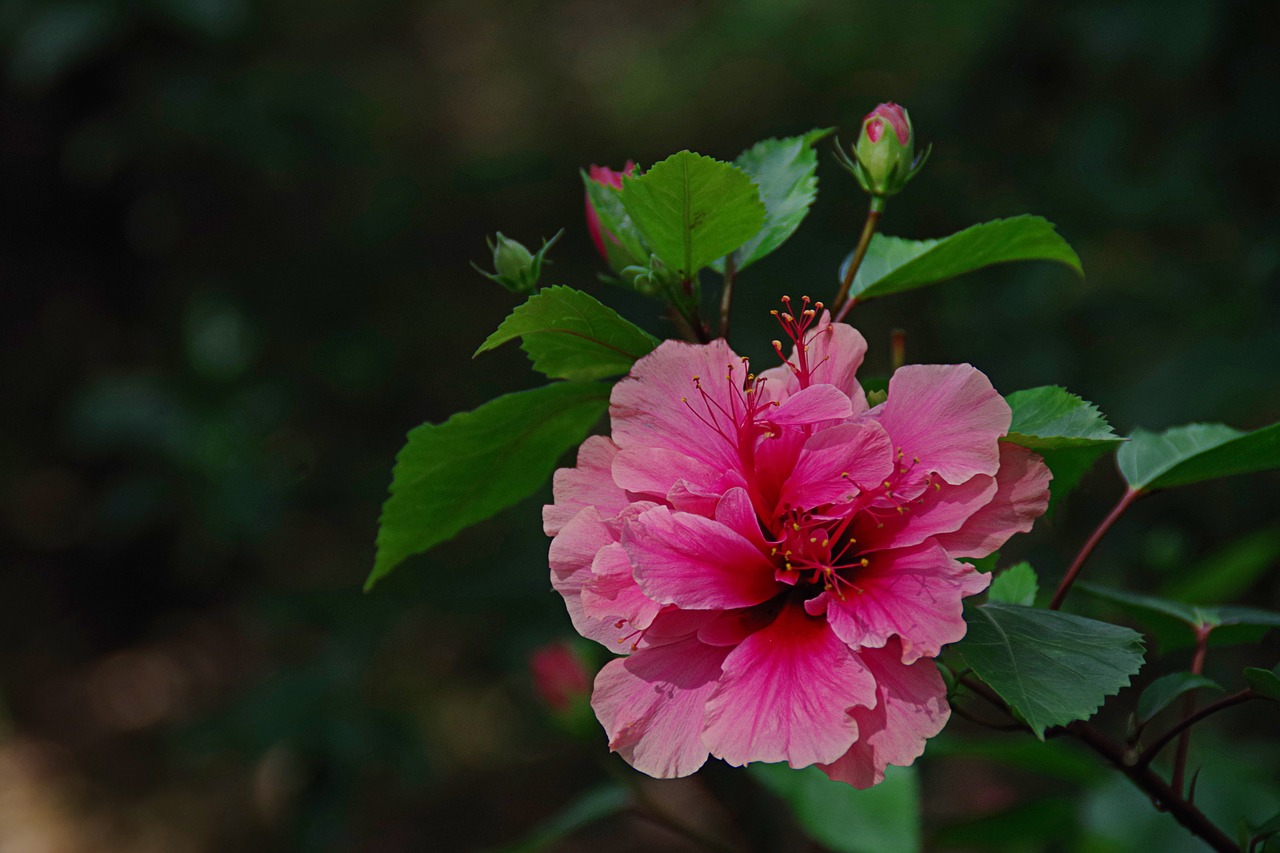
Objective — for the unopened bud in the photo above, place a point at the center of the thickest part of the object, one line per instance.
(605, 177)
(515, 267)
(883, 159)
(510, 257)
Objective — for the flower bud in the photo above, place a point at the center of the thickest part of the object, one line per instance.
(606, 243)
(515, 267)
(884, 158)
(510, 257)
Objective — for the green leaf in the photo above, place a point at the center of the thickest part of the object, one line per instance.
(883, 819)
(1165, 689)
(1015, 585)
(1174, 623)
(452, 475)
(692, 210)
(1265, 682)
(785, 170)
(1052, 668)
(1051, 418)
(1229, 571)
(1069, 432)
(1196, 452)
(585, 810)
(570, 335)
(895, 264)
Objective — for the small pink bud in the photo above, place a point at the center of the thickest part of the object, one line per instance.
(883, 162)
(894, 115)
(559, 678)
(609, 178)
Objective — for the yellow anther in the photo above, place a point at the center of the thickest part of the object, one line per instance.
(864, 562)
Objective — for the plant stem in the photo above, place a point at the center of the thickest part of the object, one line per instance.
(1070, 577)
(843, 303)
(987, 724)
(1148, 755)
(726, 295)
(1165, 797)
(682, 324)
(1161, 793)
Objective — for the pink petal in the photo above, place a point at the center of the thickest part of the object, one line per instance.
(837, 463)
(940, 509)
(835, 352)
(660, 404)
(673, 624)
(913, 593)
(572, 552)
(612, 596)
(735, 512)
(652, 706)
(656, 471)
(1022, 496)
(785, 695)
(589, 484)
(814, 404)
(912, 708)
(696, 563)
(948, 416)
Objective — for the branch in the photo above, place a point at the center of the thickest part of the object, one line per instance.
(1161, 793)
(1148, 755)
(1092, 542)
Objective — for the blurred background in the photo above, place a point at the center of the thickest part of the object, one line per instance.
(234, 247)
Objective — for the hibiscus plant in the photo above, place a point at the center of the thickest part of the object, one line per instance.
(791, 563)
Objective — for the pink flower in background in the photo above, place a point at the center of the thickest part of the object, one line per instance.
(610, 178)
(777, 560)
(559, 678)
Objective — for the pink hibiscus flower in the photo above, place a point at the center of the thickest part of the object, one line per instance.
(777, 559)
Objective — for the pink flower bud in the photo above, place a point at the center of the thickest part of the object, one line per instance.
(889, 113)
(883, 161)
(559, 678)
(609, 178)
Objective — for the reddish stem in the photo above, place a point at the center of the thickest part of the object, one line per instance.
(1189, 708)
(726, 296)
(1092, 542)
(843, 303)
